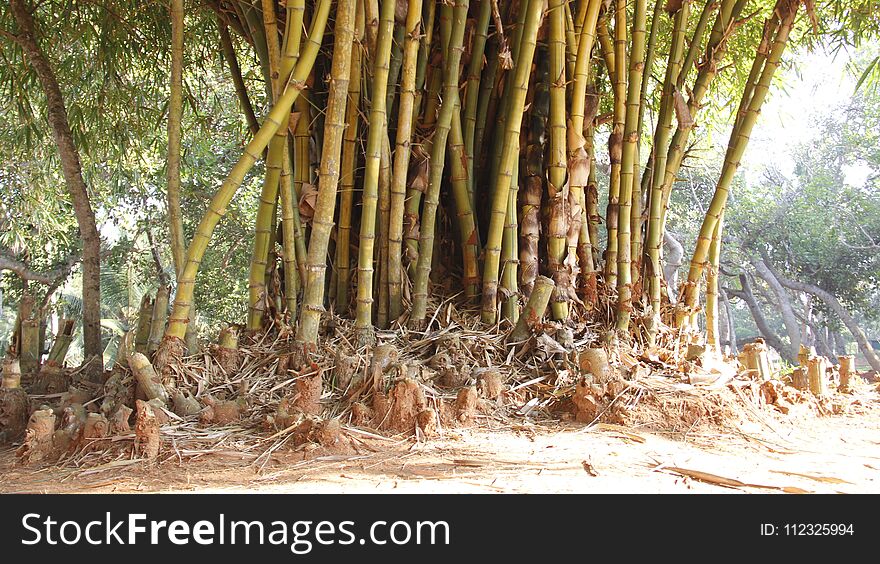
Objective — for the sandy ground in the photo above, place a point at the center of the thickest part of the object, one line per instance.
(829, 454)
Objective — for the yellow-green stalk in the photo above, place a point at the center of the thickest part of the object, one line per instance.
(400, 168)
(378, 127)
(438, 156)
(328, 178)
(510, 144)
(217, 207)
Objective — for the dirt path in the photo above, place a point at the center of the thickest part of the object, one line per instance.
(822, 455)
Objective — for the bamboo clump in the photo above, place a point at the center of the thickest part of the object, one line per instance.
(477, 123)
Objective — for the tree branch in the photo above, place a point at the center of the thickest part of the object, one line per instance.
(9, 261)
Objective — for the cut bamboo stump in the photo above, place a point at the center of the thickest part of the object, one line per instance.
(142, 338)
(11, 373)
(39, 437)
(62, 343)
(799, 378)
(534, 310)
(805, 354)
(847, 369)
(816, 367)
(13, 403)
(146, 431)
(754, 357)
(29, 354)
(595, 362)
(158, 319)
(226, 352)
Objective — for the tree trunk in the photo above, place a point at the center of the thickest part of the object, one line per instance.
(72, 171)
(772, 339)
(673, 261)
(175, 115)
(731, 326)
(841, 312)
(785, 308)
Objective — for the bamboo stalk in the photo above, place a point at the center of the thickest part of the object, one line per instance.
(716, 48)
(472, 88)
(438, 156)
(460, 165)
(237, 81)
(29, 346)
(629, 167)
(302, 172)
(654, 238)
(142, 337)
(175, 114)
(401, 157)
(322, 222)
(384, 218)
(217, 207)
(159, 316)
(62, 342)
(615, 146)
(509, 252)
(378, 127)
(785, 11)
(579, 158)
(712, 286)
(265, 223)
(557, 190)
(510, 144)
(290, 220)
(349, 165)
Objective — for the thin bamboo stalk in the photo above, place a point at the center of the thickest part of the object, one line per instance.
(557, 190)
(503, 182)
(175, 116)
(350, 152)
(472, 88)
(712, 286)
(654, 238)
(217, 207)
(629, 168)
(237, 80)
(469, 237)
(785, 13)
(438, 157)
(615, 146)
(378, 127)
(579, 159)
(322, 221)
(402, 156)
(509, 252)
(265, 222)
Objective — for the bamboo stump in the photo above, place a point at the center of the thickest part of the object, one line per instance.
(146, 432)
(226, 352)
(595, 361)
(38, 438)
(847, 370)
(142, 337)
(799, 378)
(755, 358)
(816, 367)
(29, 355)
(13, 403)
